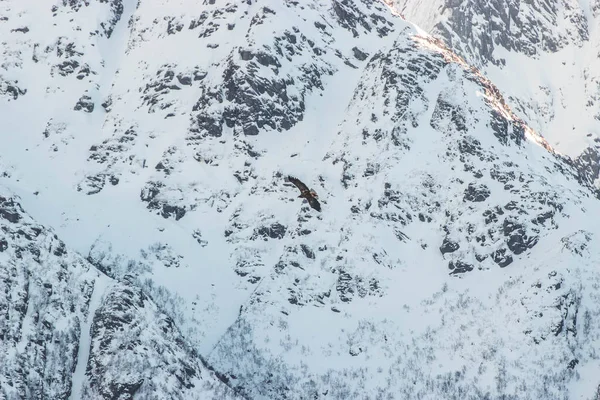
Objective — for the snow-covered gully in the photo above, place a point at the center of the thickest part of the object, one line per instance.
(102, 284)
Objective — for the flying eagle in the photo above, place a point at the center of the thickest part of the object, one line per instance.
(306, 193)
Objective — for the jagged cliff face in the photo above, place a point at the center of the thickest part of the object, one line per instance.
(454, 255)
(484, 31)
(542, 55)
(69, 331)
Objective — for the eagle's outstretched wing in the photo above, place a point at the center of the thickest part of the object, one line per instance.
(298, 184)
(314, 203)
(306, 193)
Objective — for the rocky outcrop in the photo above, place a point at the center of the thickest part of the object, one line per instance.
(160, 362)
(439, 204)
(527, 28)
(11, 89)
(588, 165)
(45, 300)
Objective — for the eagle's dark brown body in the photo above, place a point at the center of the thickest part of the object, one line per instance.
(306, 193)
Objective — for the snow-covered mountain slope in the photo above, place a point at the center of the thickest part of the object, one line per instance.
(483, 31)
(454, 256)
(434, 173)
(543, 55)
(68, 331)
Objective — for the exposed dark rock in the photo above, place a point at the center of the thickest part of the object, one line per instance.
(504, 130)
(11, 89)
(85, 103)
(107, 104)
(197, 234)
(246, 55)
(518, 241)
(22, 30)
(577, 242)
(501, 258)
(588, 165)
(172, 211)
(129, 330)
(491, 216)
(543, 217)
(116, 9)
(359, 55)
(93, 184)
(307, 251)
(149, 194)
(349, 17)
(199, 21)
(349, 286)
(10, 210)
(445, 111)
(476, 192)
(173, 26)
(84, 72)
(274, 231)
(459, 267)
(573, 363)
(502, 176)
(344, 287)
(67, 67)
(199, 75)
(448, 246)
(184, 79)
(519, 28)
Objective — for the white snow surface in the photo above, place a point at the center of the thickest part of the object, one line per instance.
(548, 69)
(101, 285)
(178, 186)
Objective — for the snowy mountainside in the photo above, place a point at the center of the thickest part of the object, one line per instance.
(473, 202)
(454, 256)
(479, 31)
(62, 321)
(542, 55)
